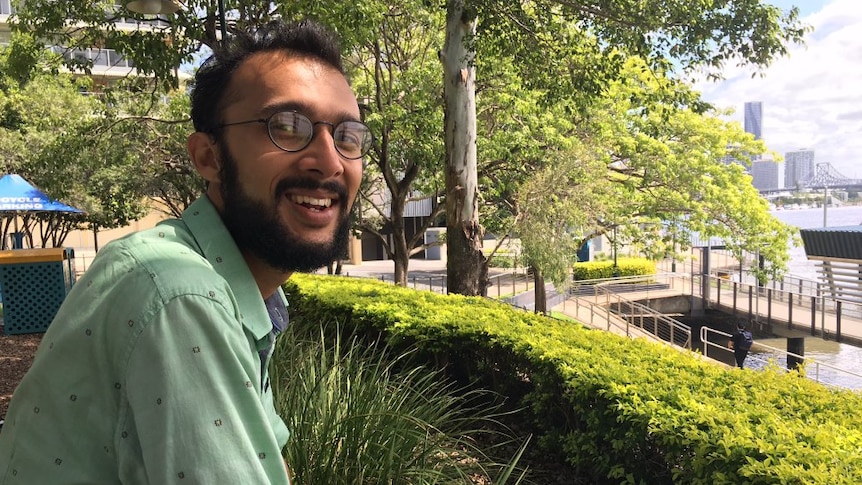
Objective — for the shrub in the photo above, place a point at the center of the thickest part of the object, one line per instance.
(619, 410)
(505, 261)
(594, 270)
(362, 414)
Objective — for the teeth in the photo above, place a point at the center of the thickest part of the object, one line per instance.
(302, 199)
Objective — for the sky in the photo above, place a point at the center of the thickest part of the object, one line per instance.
(812, 98)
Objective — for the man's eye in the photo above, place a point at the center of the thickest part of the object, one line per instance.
(349, 138)
(285, 128)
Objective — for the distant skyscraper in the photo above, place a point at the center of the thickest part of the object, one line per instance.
(764, 174)
(798, 167)
(754, 119)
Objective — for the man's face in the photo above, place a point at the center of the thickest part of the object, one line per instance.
(289, 210)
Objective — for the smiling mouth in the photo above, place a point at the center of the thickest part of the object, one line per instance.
(311, 202)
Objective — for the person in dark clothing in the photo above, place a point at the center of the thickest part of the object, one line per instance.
(741, 344)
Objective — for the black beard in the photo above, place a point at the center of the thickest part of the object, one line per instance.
(257, 228)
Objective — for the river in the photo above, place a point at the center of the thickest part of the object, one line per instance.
(812, 218)
(843, 356)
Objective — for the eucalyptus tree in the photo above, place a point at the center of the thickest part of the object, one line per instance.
(690, 35)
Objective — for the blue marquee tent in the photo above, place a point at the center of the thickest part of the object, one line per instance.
(17, 195)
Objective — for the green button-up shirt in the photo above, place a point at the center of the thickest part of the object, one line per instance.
(154, 370)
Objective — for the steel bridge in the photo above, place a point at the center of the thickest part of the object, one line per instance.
(826, 177)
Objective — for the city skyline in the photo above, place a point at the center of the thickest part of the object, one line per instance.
(799, 166)
(753, 118)
(810, 99)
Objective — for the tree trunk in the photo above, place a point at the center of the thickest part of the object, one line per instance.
(465, 269)
(400, 252)
(541, 296)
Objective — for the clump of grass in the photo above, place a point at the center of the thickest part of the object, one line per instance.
(360, 414)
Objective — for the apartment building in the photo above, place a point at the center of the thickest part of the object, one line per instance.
(107, 64)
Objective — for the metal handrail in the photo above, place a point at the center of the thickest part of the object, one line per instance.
(605, 315)
(663, 328)
(763, 303)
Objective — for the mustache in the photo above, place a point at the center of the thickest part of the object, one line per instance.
(311, 184)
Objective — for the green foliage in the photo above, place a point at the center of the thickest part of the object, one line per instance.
(363, 414)
(593, 270)
(558, 206)
(618, 410)
(503, 260)
(104, 152)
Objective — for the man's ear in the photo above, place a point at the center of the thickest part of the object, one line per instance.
(205, 156)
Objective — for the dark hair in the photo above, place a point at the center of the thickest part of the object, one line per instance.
(305, 38)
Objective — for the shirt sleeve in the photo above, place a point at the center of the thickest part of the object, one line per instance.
(195, 402)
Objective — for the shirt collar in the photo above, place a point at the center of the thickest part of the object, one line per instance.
(218, 247)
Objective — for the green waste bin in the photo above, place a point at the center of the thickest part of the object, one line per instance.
(34, 282)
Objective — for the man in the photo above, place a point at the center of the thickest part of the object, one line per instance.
(154, 370)
(741, 343)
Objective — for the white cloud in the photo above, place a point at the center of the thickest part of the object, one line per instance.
(813, 97)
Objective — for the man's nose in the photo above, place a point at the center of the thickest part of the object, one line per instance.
(320, 155)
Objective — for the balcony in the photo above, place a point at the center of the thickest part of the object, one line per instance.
(6, 9)
(106, 62)
(154, 22)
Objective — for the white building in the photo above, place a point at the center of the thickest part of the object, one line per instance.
(765, 174)
(799, 166)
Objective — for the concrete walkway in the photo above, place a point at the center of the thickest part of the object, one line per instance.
(430, 275)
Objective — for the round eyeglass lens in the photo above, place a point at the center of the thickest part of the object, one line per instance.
(290, 131)
(352, 139)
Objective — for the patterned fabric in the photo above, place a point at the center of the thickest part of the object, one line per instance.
(154, 370)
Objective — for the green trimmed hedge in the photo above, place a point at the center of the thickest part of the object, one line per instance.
(618, 410)
(594, 270)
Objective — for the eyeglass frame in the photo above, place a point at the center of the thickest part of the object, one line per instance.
(331, 125)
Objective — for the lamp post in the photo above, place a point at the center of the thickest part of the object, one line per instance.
(155, 7)
(614, 246)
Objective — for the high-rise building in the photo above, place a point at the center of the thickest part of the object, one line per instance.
(754, 119)
(798, 167)
(764, 174)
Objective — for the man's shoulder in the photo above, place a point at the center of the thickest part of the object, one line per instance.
(167, 250)
(168, 237)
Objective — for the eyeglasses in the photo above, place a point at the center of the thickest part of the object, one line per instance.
(292, 132)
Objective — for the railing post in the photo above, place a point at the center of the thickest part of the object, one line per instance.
(769, 306)
(750, 302)
(838, 320)
(813, 315)
(790, 312)
(718, 291)
(735, 289)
